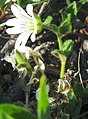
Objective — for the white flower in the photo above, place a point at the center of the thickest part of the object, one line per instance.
(25, 24)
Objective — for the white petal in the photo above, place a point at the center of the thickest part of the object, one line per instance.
(12, 22)
(22, 39)
(13, 30)
(38, 91)
(19, 23)
(25, 50)
(33, 37)
(17, 29)
(19, 12)
(29, 9)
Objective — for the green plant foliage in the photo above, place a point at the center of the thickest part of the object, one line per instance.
(66, 26)
(72, 10)
(71, 96)
(74, 106)
(48, 20)
(73, 109)
(2, 3)
(22, 62)
(19, 2)
(23, 3)
(65, 116)
(9, 111)
(78, 89)
(79, 2)
(67, 47)
(54, 28)
(80, 92)
(4, 115)
(43, 104)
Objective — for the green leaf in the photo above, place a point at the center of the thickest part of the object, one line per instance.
(48, 20)
(34, 2)
(9, 111)
(67, 47)
(54, 28)
(19, 2)
(43, 104)
(4, 115)
(74, 106)
(78, 90)
(73, 109)
(80, 3)
(72, 10)
(71, 96)
(66, 26)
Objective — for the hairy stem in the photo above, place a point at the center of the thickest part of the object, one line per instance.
(60, 44)
(63, 64)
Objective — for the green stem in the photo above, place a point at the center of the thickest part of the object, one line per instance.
(59, 40)
(49, 28)
(60, 44)
(63, 64)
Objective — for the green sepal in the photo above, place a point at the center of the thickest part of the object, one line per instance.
(22, 62)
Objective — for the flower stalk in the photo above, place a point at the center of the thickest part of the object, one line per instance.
(63, 64)
(60, 44)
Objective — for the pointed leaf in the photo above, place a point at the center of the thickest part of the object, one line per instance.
(43, 104)
(67, 47)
